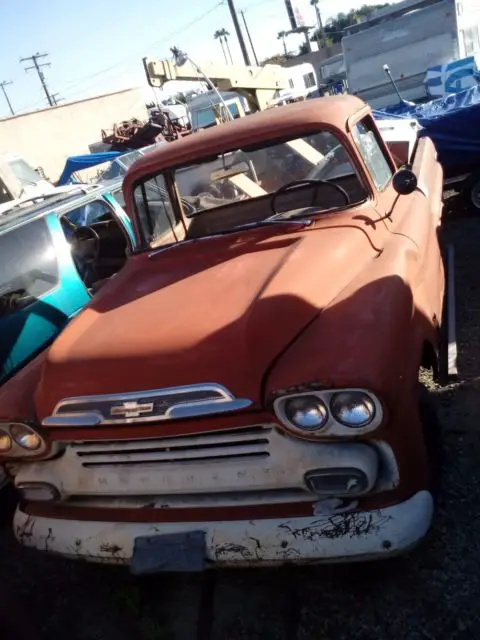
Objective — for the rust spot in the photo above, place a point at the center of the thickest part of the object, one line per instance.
(108, 547)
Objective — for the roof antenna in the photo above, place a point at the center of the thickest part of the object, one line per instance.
(386, 68)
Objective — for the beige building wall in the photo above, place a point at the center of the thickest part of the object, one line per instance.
(46, 138)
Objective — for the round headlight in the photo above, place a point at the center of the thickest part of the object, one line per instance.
(353, 408)
(306, 412)
(5, 442)
(25, 437)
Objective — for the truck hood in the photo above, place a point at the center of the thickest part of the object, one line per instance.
(219, 310)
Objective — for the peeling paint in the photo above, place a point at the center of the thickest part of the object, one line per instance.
(112, 549)
(24, 532)
(50, 538)
(338, 526)
(347, 536)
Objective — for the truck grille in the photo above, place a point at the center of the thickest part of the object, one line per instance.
(232, 444)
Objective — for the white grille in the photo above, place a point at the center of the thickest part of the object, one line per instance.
(235, 444)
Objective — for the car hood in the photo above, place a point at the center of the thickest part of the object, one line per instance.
(218, 310)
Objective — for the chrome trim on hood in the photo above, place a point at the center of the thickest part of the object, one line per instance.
(154, 405)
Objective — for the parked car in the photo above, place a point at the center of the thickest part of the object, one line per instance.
(53, 252)
(245, 390)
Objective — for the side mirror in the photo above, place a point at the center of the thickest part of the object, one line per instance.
(404, 181)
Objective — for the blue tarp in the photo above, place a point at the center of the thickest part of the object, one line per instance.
(77, 163)
(453, 123)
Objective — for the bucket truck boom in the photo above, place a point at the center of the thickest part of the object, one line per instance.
(257, 84)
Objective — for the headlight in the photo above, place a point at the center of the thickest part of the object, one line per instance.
(25, 437)
(306, 412)
(322, 413)
(5, 442)
(353, 409)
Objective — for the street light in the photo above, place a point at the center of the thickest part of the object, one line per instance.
(182, 58)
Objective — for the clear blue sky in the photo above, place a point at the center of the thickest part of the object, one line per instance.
(96, 46)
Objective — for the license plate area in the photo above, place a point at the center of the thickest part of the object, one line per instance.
(170, 552)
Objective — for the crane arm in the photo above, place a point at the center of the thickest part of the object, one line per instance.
(257, 84)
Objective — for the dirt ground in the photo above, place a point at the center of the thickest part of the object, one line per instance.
(432, 594)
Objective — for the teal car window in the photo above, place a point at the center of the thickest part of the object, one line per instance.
(28, 266)
(118, 195)
(90, 213)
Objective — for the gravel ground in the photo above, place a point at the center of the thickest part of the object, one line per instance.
(433, 593)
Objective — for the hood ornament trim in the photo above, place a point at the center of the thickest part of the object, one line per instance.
(156, 405)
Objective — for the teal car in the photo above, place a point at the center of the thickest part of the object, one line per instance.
(54, 255)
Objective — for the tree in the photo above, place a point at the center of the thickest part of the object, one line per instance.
(334, 27)
(303, 49)
(276, 59)
(222, 35)
(281, 36)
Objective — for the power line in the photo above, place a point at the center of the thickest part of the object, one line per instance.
(127, 60)
(70, 86)
(40, 73)
(3, 85)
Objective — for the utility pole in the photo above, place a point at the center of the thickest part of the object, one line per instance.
(38, 69)
(56, 99)
(249, 37)
(3, 85)
(320, 31)
(238, 31)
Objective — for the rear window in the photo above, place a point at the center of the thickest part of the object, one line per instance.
(28, 266)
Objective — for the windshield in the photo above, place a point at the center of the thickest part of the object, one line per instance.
(298, 177)
(207, 117)
(24, 172)
(119, 167)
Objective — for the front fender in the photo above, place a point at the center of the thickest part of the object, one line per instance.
(370, 337)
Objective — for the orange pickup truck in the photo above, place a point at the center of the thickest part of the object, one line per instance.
(245, 390)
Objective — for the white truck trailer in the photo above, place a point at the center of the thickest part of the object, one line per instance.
(410, 37)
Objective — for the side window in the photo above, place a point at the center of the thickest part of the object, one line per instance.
(90, 213)
(118, 195)
(154, 209)
(309, 80)
(28, 266)
(372, 153)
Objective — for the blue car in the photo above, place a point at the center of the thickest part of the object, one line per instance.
(54, 255)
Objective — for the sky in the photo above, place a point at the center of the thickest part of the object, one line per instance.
(96, 46)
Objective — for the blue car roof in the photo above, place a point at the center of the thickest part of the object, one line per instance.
(57, 203)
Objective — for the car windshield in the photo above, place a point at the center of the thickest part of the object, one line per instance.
(119, 167)
(293, 178)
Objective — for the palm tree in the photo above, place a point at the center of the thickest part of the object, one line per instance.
(218, 35)
(281, 36)
(223, 33)
(320, 32)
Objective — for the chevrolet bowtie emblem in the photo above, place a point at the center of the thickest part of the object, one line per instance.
(132, 409)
